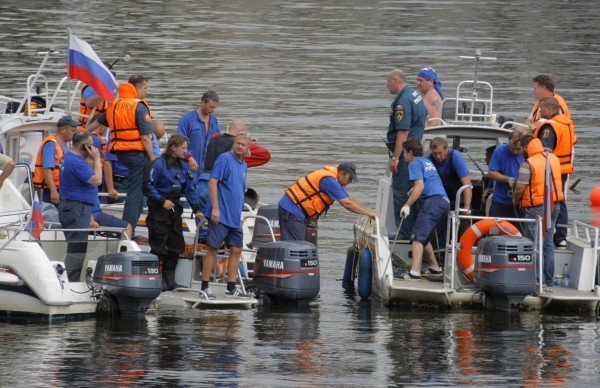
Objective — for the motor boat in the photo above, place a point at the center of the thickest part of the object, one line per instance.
(502, 270)
(117, 277)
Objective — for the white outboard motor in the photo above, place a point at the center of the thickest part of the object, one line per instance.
(287, 271)
(130, 281)
(505, 269)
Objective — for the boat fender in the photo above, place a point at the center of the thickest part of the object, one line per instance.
(365, 273)
(475, 232)
(350, 268)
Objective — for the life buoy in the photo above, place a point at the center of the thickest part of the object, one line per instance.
(474, 233)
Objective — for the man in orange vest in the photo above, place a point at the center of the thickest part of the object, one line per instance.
(557, 134)
(529, 195)
(312, 195)
(51, 151)
(543, 86)
(131, 132)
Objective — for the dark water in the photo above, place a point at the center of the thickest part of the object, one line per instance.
(309, 79)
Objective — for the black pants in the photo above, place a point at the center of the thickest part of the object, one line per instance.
(165, 234)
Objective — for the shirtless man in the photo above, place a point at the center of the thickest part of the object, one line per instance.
(431, 90)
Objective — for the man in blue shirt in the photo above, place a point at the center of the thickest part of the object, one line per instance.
(452, 169)
(312, 195)
(199, 125)
(504, 169)
(227, 187)
(78, 195)
(407, 121)
(428, 188)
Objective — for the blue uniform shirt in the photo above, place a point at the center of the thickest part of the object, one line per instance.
(422, 169)
(74, 176)
(231, 174)
(507, 164)
(168, 178)
(118, 168)
(193, 127)
(329, 185)
(408, 114)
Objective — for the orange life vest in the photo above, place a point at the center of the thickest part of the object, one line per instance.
(535, 112)
(533, 195)
(565, 140)
(307, 194)
(120, 115)
(84, 110)
(38, 175)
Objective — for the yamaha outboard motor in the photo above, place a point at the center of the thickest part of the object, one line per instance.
(505, 269)
(287, 271)
(261, 234)
(130, 281)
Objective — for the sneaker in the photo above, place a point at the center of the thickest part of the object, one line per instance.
(562, 244)
(207, 293)
(431, 271)
(236, 293)
(409, 276)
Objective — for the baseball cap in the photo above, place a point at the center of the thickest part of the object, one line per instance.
(67, 121)
(351, 168)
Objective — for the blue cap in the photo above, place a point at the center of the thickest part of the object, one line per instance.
(350, 168)
(67, 121)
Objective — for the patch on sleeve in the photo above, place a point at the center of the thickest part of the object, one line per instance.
(147, 117)
(399, 112)
(545, 133)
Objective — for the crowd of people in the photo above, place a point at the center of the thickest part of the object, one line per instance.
(209, 168)
(516, 173)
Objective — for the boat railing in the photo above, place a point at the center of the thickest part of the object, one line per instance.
(453, 245)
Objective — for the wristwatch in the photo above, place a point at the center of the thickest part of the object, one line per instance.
(394, 158)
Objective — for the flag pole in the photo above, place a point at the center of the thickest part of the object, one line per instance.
(68, 78)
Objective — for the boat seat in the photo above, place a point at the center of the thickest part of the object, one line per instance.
(449, 110)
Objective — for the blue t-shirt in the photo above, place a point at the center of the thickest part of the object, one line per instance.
(408, 114)
(118, 168)
(459, 166)
(49, 154)
(88, 92)
(193, 127)
(422, 169)
(74, 174)
(231, 174)
(504, 162)
(329, 185)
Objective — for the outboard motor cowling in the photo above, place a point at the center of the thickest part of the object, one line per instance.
(505, 269)
(132, 278)
(287, 270)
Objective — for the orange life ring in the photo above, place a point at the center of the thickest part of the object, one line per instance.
(475, 232)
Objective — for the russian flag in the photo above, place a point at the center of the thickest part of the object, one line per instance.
(35, 226)
(85, 66)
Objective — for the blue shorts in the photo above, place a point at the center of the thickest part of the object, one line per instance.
(433, 210)
(110, 221)
(219, 233)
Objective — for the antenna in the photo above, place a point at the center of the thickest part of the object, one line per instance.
(477, 58)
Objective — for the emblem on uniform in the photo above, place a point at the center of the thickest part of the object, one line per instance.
(545, 133)
(399, 112)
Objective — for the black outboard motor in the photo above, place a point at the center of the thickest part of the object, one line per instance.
(131, 279)
(261, 234)
(505, 269)
(287, 271)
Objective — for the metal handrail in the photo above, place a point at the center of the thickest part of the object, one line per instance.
(265, 219)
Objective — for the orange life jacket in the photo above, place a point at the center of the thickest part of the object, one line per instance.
(307, 194)
(533, 195)
(535, 112)
(38, 174)
(120, 115)
(84, 110)
(565, 140)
